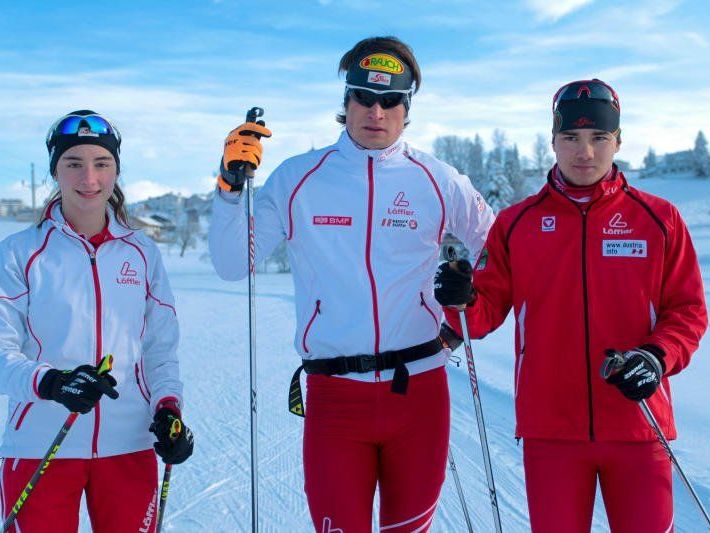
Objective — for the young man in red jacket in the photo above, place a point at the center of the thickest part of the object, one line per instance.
(587, 264)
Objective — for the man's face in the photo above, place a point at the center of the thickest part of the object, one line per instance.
(585, 155)
(374, 128)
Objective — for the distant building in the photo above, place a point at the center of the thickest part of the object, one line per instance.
(156, 226)
(10, 207)
(676, 163)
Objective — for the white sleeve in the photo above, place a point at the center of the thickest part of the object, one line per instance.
(161, 336)
(469, 216)
(19, 375)
(228, 237)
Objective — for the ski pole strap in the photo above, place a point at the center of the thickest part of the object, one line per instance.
(345, 364)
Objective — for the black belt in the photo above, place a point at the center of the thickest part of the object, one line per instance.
(346, 364)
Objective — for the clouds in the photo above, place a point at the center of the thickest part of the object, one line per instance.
(554, 10)
(485, 66)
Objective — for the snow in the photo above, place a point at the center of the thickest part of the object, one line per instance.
(211, 491)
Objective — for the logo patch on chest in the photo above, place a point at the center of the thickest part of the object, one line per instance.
(128, 275)
(332, 220)
(548, 223)
(624, 248)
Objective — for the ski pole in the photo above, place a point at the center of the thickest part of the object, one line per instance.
(175, 430)
(459, 489)
(614, 363)
(451, 256)
(104, 366)
(247, 173)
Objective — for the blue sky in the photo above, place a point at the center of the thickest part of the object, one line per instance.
(177, 76)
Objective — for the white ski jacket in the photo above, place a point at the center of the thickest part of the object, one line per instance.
(363, 230)
(63, 305)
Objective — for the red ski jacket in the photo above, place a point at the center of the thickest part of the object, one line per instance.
(618, 272)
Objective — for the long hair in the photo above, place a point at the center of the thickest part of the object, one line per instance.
(117, 203)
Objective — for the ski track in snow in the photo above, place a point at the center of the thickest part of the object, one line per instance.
(211, 491)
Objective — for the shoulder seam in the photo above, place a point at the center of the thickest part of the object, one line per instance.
(648, 209)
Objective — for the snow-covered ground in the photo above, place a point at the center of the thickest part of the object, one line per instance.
(211, 492)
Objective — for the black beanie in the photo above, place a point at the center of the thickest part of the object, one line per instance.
(586, 113)
(380, 71)
(58, 143)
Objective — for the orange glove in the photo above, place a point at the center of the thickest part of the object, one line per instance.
(242, 146)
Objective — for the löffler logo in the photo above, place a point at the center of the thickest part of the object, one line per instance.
(400, 204)
(128, 275)
(399, 200)
(617, 226)
(149, 515)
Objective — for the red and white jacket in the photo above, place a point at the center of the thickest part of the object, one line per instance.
(618, 272)
(363, 230)
(64, 304)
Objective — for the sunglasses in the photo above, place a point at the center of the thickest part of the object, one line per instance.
(594, 89)
(369, 97)
(72, 124)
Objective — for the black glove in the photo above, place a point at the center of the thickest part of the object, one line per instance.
(78, 390)
(452, 286)
(641, 373)
(175, 442)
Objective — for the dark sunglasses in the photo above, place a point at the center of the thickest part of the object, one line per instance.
(387, 100)
(595, 89)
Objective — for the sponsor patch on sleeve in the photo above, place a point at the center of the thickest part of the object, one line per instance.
(624, 248)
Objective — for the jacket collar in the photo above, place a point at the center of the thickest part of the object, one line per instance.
(605, 188)
(54, 215)
(350, 150)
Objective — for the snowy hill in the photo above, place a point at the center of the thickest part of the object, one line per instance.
(210, 493)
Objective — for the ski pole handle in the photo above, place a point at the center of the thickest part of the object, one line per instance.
(245, 169)
(613, 363)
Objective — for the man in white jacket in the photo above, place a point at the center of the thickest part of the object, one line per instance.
(363, 220)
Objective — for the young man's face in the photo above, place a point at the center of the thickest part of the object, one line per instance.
(374, 128)
(584, 155)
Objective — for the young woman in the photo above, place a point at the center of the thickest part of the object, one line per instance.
(75, 288)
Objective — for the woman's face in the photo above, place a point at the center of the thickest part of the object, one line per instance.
(86, 175)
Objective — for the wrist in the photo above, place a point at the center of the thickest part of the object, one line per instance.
(658, 353)
(46, 385)
(170, 404)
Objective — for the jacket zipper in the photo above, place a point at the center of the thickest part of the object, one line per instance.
(316, 311)
(97, 293)
(433, 316)
(585, 290)
(368, 250)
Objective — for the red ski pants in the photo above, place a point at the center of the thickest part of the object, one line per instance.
(361, 435)
(121, 494)
(561, 479)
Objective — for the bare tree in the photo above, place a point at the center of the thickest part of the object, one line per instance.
(188, 230)
(542, 160)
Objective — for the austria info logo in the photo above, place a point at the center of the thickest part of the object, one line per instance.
(623, 248)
